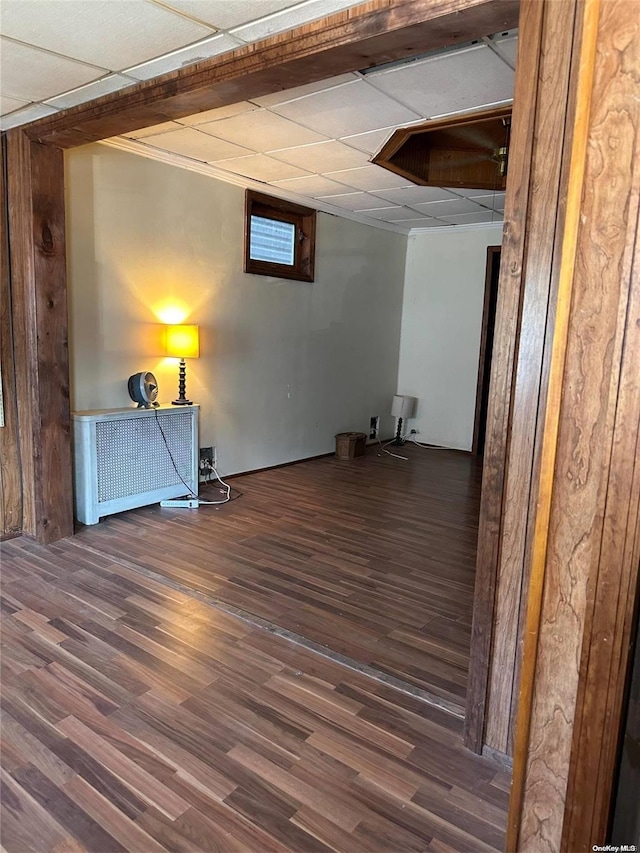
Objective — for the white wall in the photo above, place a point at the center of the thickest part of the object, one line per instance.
(441, 323)
(284, 365)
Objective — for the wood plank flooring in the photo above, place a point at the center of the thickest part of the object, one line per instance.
(374, 558)
(138, 718)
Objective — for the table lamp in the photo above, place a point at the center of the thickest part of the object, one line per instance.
(401, 408)
(182, 342)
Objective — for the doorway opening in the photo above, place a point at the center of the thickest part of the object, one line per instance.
(486, 348)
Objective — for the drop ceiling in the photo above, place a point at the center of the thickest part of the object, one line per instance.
(312, 144)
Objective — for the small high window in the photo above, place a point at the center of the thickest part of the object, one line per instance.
(279, 237)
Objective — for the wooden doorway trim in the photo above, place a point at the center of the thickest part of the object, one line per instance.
(586, 545)
(509, 318)
(35, 202)
(610, 508)
(492, 251)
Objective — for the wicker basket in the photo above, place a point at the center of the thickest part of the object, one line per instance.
(350, 444)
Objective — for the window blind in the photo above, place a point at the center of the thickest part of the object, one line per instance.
(272, 240)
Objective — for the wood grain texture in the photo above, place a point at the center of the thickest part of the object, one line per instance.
(569, 731)
(539, 294)
(38, 277)
(372, 558)
(10, 476)
(162, 723)
(375, 32)
(499, 415)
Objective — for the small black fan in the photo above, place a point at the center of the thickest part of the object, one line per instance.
(143, 389)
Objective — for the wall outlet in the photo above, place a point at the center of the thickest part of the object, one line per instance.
(207, 458)
(414, 432)
(374, 426)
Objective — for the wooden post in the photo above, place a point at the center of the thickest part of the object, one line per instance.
(35, 191)
(586, 545)
(10, 479)
(525, 314)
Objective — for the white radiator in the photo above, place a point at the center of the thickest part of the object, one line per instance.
(121, 460)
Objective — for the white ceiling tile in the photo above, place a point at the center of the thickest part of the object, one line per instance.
(199, 146)
(217, 113)
(267, 131)
(449, 208)
(33, 75)
(261, 168)
(205, 49)
(345, 110)
(508, 46)
(451, 82)
(398, 214)
(414, 195)
(8, 105)
(224, 14)
(424, 222)
(468, 193)
(370, 178)
(300, 91)
(130, 31)
(379, 211)
(351, 201)
(164, 127)
(473, 218)
(322, 157)
(492, 202)
(372, 141)
(302, 13)
(111, 83)
(30, 113)
(314, 186)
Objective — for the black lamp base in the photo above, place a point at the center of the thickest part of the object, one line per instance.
(398, 440)
(182, 386)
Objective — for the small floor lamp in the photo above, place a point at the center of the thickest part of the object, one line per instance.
(182, 342)
(401, 408)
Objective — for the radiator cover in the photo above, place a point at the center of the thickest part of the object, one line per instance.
(121, 460)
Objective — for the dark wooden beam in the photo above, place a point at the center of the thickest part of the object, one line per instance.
(35, 187)
(10, 476)
(376, 32)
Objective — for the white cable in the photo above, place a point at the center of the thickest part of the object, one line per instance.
(383, 449)
(412, 438)
(210, 467)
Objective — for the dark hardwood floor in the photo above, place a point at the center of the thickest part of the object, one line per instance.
(373, 558)
(139, 717)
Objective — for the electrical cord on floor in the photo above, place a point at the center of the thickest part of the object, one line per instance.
(210, 468)
(411, 436)
(383, 449)
(407, 437)
(226, 486)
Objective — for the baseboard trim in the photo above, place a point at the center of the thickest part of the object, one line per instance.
(279, 465)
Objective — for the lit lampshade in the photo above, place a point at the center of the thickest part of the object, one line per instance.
(401, 408)
(182, 342)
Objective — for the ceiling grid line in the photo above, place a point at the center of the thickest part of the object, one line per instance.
(313, 143)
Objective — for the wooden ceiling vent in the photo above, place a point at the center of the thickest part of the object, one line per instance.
(468, 151)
